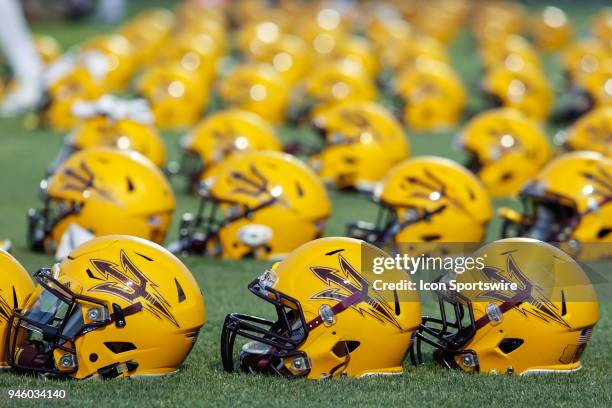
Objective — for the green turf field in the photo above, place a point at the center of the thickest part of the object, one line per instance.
(24, 155)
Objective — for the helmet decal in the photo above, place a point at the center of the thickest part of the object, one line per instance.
(600, 134)
(252, 186)
(346, 282)
(5, 309)
(434, 184)
(603, 183)
(84, 179)
(130, 284)
(535, 302)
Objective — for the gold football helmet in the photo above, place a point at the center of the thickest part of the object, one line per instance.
(147, 32)
(357, 49)
(583, 57)
(289, 56)
(260, 205)
(362, 142)
(551, 29)
(258, 88)
(433, 95)
(196, 52)
(105, 191)
(440, 19)
(385, 28)
(525, 89)
(569, 201)
(177, 96)
(419, 47)
(514, 52)
(323, 28)
(253, 38)
(220, 135)
(495, 20)
(541, 325)
(597, 85)
(427, 199)
(330, 320)
(117, 306)
(77, 84)
(601, 26)
(15, 287)
(47, 47)
(123, 134)
(593, 132)
(110, 57)
(335, 82)
(506, 149)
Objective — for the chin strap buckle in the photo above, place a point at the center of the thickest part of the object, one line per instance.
(120, 313)
(115, 370)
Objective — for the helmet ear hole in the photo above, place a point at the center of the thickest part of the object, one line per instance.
(431, 237)
(119, 347)
(130, 185)
(603, 232)
(344, 348)
(508, 345)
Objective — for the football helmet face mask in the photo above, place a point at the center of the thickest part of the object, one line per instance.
(362, 142)
(220, 135)
(105, 191)
(118, 306)
(542, 326)
(356, 332)
(15, 287)
(427, 199)
(593, 132)
(249, 202)
(569, 201)
(506, 149)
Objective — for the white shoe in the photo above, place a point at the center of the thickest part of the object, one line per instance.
(26, 97)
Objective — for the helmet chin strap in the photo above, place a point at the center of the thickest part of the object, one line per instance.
(337, 308)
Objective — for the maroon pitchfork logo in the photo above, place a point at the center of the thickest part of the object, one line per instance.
(345, 282)
(131, 284)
